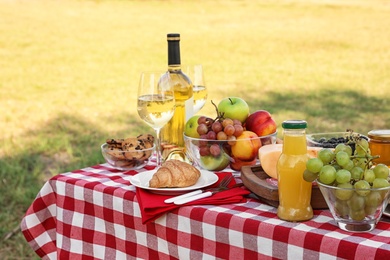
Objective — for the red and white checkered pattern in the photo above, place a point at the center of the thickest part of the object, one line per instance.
(93, 213)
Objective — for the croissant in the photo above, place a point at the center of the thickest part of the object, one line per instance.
(174, 174)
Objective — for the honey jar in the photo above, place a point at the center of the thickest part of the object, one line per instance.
(379, 141)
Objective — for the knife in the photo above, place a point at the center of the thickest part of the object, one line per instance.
(196, 195)
(187, 199)
(186, 195)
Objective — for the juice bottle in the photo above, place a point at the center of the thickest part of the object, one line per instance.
(294, 191)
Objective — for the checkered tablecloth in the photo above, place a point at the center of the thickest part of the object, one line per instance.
(93, 213)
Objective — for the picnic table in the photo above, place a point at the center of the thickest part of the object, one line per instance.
(95, 213)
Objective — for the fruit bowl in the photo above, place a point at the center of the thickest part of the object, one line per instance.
(126, 160)
(216, 155)
(355, 210)
(329, 140)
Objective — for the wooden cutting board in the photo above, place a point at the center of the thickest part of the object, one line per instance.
(257, 181)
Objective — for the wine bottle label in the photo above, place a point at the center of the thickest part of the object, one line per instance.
(189, 107)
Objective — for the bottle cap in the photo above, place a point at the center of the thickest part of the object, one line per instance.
(294, 124)
(380, 135)
(173, 37)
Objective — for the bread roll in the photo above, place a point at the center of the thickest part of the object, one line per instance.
(174, 174)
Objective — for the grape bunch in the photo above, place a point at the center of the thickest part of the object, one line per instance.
(354, 172)
(221, 129)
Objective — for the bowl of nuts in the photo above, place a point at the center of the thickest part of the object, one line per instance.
(129, 153)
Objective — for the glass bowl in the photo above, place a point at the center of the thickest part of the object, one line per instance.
(353, 212)
(332, 139)
(216, 155)
(126, 160)
(327, 140)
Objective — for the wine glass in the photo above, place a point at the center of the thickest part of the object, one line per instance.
(195, 73)
(156, 103)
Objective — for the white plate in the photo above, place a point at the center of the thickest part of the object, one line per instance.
(141, 180)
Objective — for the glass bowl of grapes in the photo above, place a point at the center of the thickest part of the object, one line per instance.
(223, 143)
(355, 189)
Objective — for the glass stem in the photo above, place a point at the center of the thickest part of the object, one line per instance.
(158, 148)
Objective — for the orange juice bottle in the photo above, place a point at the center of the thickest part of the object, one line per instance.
(294, 191)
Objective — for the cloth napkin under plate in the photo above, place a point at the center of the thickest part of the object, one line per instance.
(153, 206)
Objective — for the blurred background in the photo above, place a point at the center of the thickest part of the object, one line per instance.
(69, 72)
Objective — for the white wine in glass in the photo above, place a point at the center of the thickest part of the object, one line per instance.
(195, 73)
(156, 103)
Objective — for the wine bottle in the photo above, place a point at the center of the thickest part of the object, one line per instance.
(172, 133)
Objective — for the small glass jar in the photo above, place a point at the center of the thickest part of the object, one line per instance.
(379, 141)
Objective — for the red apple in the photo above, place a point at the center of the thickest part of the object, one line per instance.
(236, 164)
(261, 123)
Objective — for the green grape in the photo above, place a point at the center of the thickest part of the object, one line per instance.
(370, 210)
(326, 155)
(345, 192)
(369, 176)
(341, 208)
(363, 143)
(359, 152)
(314, 165)
(348, 150)
(357, 215)
(342, 158)
(336, 166)
(343, 147)
(357, 173)
(340, 147)
(362, 187)
(356, 202)
(309, 176)
(360, 162)
(361, 146)
(327, 174)
(373, 199)
(343, 176)
(381, 171)
(349, 165)
(380, 183)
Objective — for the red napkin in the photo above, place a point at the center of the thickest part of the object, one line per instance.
(153, 206)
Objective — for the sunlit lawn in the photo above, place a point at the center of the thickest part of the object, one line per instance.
(69, 72)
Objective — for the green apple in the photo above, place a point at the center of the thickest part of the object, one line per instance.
(191, 126)
(234, 108)
(212, 163)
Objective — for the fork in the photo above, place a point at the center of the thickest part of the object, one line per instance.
(199, 194)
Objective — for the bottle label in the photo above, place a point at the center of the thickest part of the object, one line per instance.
(189, 107)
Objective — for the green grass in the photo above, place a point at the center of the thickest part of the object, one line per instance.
(69, 72)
